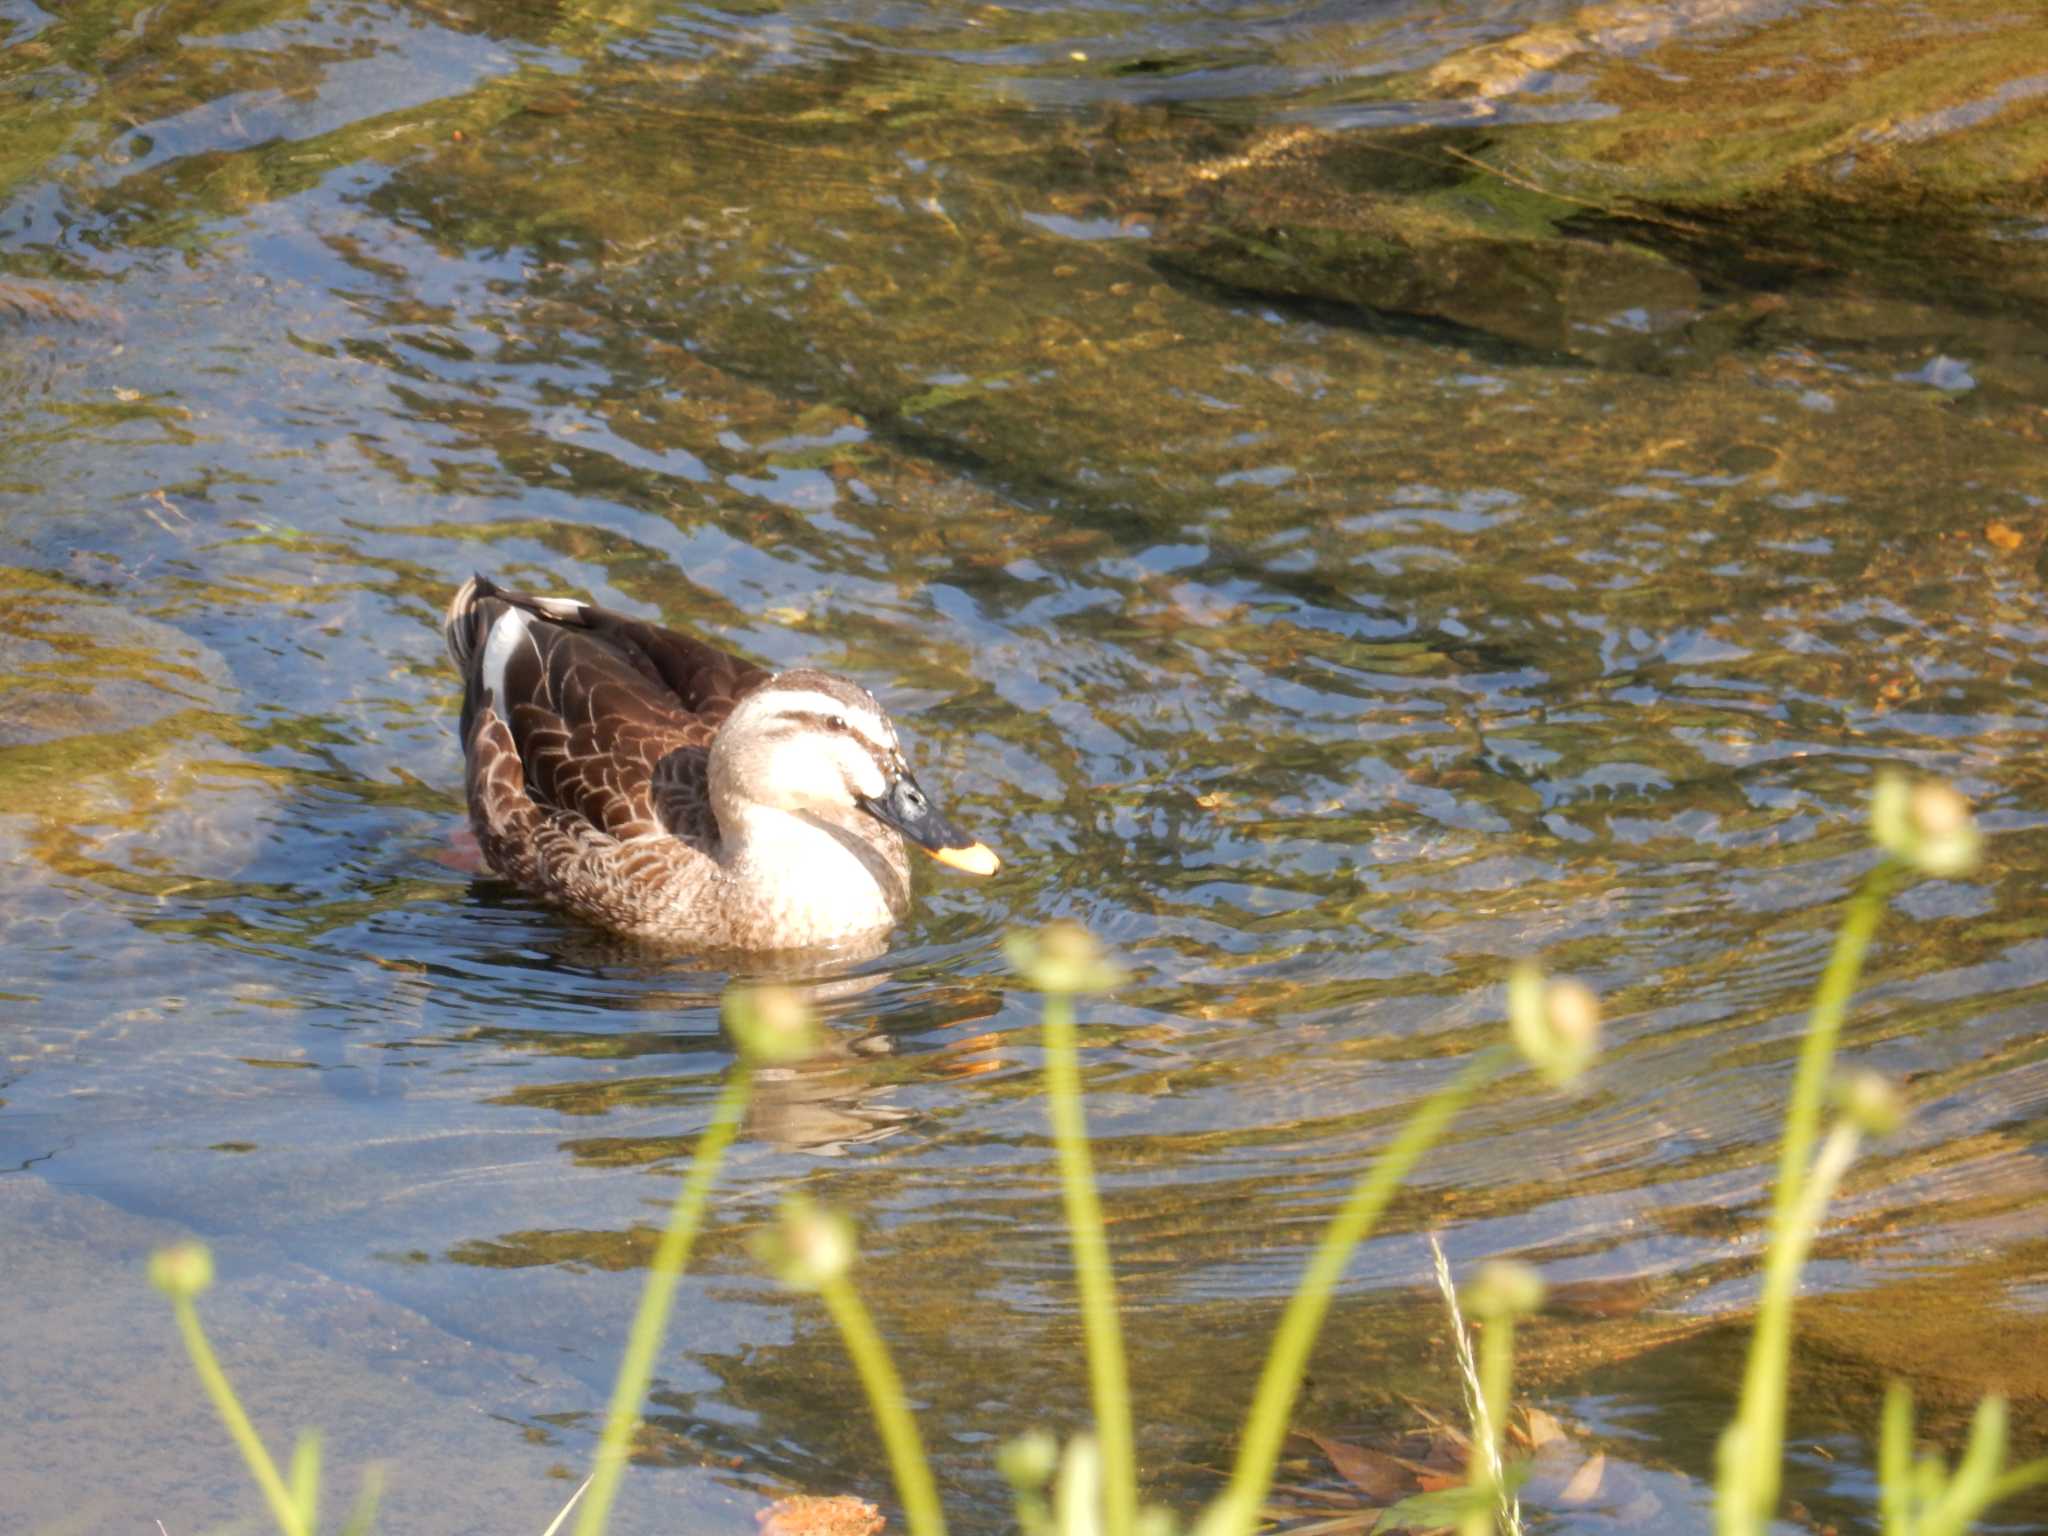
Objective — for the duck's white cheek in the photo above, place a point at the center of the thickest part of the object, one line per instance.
(865, 777)
(797, 778)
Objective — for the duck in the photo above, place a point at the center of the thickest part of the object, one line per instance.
(661, 788)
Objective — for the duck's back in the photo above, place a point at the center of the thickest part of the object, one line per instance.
(584, 729)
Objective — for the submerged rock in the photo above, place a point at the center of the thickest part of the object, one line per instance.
(1655, 185)
(73, 663)
(1329, 219)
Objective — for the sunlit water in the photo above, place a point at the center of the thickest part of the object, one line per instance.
(1319, 667)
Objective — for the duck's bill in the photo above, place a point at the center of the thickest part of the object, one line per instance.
(904, 806)
(974, 859)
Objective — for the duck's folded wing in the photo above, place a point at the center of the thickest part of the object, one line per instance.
(592, 706)
(705, 681)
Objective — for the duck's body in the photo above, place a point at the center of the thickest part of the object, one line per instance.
(658, 787)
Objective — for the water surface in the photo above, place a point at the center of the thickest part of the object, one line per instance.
(1319, 662)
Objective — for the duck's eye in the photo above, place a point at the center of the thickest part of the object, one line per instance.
(836, 723)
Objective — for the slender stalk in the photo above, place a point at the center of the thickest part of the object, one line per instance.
(650, 1321)
(2018, 1479)
(1823, 1028)
(563, 1514)
(1970, 1485)
(1496, 1372)
(284, 1509)
(1752, 1470)
(1258, 1452)
(363, 1518)
(1108, 1384)
(1894, 1462)
(1752, 1465)
(304, 1477)
(1486, 1467)
(914, 1484)
(1079, 1493)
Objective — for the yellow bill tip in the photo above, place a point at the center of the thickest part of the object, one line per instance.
(978, 859)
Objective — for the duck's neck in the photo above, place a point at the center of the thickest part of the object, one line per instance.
(799, 878)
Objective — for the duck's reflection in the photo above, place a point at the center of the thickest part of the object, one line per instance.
(828, 1104)
(703, 973)
(834, 1100)
(830, 1101)
(624, 1043)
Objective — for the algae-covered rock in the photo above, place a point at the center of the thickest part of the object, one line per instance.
(1623, 185)
(1698, 105)
(104, 715)
(1331, 219)
(73, 663)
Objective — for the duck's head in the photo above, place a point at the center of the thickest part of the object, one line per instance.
(806, 741)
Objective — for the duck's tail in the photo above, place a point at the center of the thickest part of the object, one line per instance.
(463, 624)
(479, 602)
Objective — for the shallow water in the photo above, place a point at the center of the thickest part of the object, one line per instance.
(1319, 665)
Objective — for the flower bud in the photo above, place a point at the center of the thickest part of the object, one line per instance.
(810, 1248)
(1028, 1461)
(772, 1026)
(1926, 825)
(1504, 1289)
(1871, 1102)
(1555, 1024)
(1062, 957)
(182, 1271)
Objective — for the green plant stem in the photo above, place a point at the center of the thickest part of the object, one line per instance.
(284, 1508)
(1751, 1474)
(1258, 1452)
(1823, 1029)
(1894, 1461)
(1107, 1382)
(363, 1518)
(305, 1479)
(650, 1321)
(913, 1472)
(1752, 1470)
(1970, 1485)
(1496, 1373)
(1079, 1489)
(2031, 1474)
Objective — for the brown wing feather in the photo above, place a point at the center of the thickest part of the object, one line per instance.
(682, 795)
(604, 729)
(705, 681)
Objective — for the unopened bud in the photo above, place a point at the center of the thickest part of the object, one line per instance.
(1062, 957)
(772, 1026)
(1575, 1015)
(1555, 1024)
(1927, 825)
(1504, 1289)
(182, 1271)
(1028, 1461)
(1938, 811)
(1871, 1102)
(810, 1248)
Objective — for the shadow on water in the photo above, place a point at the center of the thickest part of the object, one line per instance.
(1319, 630)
